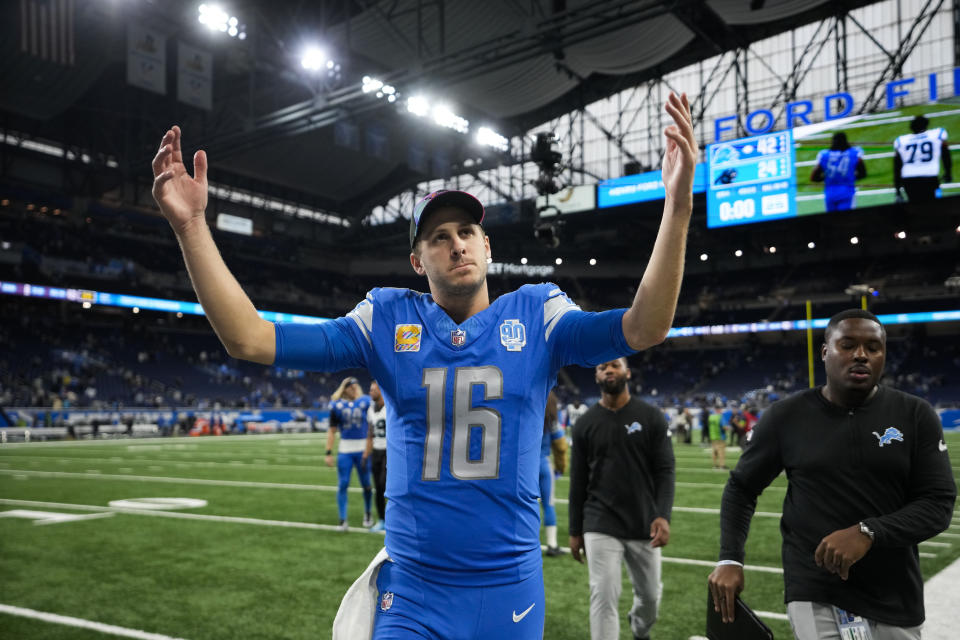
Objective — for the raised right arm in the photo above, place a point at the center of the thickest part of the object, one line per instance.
(183, 201)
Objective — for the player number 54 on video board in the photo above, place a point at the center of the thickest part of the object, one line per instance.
(751, 180)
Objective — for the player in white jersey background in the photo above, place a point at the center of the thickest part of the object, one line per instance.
(377, 450)
(917, 158)
(465, 382)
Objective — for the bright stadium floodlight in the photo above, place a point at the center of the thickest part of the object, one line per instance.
(490, 138)
(371, 84)
(443, 116)
(418, 106)
(593, 262)
(704, 257)
(559, 261)
(901, 235)
(313, 59)
(214, 17)
(523, 261)
(854, 240)
(811, 245)
(738, 253)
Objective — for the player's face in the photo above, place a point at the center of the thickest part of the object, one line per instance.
(612, 376)
(854, 355)
(452, 253)
(375, 391)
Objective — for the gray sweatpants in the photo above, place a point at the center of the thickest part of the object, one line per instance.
(605, 554)
(815, 621)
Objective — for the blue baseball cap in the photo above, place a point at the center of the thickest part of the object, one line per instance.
(444, 198)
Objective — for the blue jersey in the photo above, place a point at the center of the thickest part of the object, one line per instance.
(465, 405)
(839, 167)
(350, 416)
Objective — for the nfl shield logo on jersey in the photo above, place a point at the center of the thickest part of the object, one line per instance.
(513, 335)
(386, 600)
(458, 337)
(407, 337)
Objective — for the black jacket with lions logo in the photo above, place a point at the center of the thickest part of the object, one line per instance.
(884, 463)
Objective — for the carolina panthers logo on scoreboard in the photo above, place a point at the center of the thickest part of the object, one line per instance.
(513, 335)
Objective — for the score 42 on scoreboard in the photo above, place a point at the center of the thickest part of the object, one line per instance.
(751, 179)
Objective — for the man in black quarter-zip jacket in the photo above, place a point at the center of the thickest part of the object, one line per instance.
(868, 478)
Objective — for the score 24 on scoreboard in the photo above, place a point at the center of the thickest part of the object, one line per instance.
(751, 180)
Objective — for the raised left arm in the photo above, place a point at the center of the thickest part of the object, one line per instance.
(650, 316)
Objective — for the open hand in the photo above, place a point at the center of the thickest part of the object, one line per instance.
(680, 157)
(182, 199)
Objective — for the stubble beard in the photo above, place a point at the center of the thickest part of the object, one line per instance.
(613, 387)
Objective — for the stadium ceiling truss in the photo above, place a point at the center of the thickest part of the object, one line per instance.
(640, 106)
(242, 120)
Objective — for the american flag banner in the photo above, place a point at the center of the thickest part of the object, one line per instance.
(47, 30)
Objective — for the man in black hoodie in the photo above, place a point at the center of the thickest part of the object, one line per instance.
(868, 478)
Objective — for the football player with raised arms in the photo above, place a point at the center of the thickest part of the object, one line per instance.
(348, 414)
(465, 382)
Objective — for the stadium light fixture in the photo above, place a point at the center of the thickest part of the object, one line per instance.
(313, 58)
(593, 262)
(559, 261)
(811, 245)
(215, 18)
(901, 235)
(371, 84)
(445, 117)
(523, 261)
(772, 249)
(136, 309)
(738, 253)
(490, 138)
(854, 240)
(418, 105)
(704, 257)
(87, 305)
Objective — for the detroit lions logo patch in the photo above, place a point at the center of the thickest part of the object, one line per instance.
(891, 434)
(636, 427)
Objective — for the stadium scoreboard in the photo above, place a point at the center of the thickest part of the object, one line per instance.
(751, 180)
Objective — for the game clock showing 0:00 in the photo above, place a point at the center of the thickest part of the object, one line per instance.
(751, 180)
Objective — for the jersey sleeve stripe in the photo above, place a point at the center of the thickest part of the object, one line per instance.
(553, 310)
(362, 315)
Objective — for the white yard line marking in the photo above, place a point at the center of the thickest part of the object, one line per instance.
(83, 624)
(927, 555)
(940, 601)
(771, 615)
(190, 516)
(698, 563)
(931, 543)
(164, 479)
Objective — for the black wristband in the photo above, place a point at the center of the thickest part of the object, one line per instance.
(329, 452)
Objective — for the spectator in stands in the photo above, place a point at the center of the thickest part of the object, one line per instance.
(376, 451)
(621, 496)
(869, 480)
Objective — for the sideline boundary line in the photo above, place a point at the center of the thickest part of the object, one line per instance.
(70, 621)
